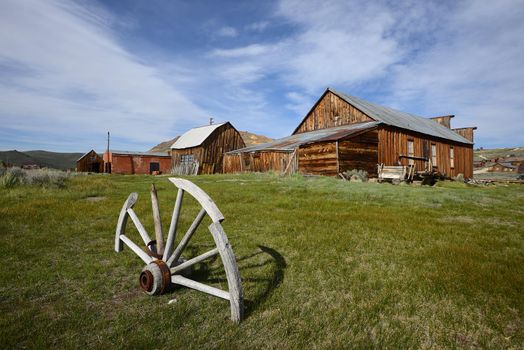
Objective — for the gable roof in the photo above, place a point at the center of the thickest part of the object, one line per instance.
(390, 116)
(85, 154)
(195, 137)
(289, 143)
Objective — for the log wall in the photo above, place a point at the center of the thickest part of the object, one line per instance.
(318, 159)
(323, 114)
(394, 141)
(359, 152)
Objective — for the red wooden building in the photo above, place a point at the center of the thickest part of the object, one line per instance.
(125, 162)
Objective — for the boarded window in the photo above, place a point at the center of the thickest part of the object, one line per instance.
(433, 154)
(452, 156)
(411, 151)
(186, 158)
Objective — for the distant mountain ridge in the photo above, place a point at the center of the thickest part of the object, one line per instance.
(249, 138)
(55, 160)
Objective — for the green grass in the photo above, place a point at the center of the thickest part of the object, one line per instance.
(325, 264)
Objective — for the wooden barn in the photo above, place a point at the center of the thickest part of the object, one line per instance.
(343, 132)
(90, 162)
(125, 162)
(503, 167)
(201, 150)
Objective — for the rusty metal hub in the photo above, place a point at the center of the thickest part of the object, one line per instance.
(155, 278)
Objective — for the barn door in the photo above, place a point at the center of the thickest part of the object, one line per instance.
(154, 166)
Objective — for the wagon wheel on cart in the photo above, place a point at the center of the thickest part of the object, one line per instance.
(164, 264)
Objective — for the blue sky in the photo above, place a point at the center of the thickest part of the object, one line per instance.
(149, 70)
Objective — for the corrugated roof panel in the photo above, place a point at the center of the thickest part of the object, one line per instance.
(403, 120)
(289, 143)
(132, 153)
(195, 137)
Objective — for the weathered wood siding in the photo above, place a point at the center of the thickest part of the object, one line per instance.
(318, 159)
(264, 161)
(394, 141)
(90, 162)
(323, 114)
(211, 153)
(359, 152)
(467, 133)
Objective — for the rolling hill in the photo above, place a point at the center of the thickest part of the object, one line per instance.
(46, 159)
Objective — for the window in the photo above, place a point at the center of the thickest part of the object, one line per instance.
(411, 152)
(452, 156)
(186, 158)
(433, 155)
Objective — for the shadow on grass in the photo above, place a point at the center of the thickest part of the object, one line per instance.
(274, 261)
(279, 265)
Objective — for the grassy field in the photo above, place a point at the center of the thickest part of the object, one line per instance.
(325, 264)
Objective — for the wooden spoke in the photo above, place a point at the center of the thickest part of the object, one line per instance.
(174, 221)
(158, 223)
(143, 255)
(122, 220)
(194, 261)
(139, 226)
(205, 201)
(186, 282)
(183, 242)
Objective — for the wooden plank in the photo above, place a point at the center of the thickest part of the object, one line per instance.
(186, 282)
(135, 248)
(174, 222)
(231, 270)
(122, 220)
(183, 242)
(158, 222)
(205, 201)
(194, 261)
(139, 226)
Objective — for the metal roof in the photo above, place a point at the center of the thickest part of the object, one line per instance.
(400, 119)
(85, 154)
(289, 143)
(132, 153)
(195, 137)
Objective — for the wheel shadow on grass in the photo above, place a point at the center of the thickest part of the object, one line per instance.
(277, 265)
(261, 272)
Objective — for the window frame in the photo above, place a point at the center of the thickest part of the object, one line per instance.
(434, 158)
(452, 157)
(411, 143)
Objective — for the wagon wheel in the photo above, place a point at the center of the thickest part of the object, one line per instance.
(164, 264)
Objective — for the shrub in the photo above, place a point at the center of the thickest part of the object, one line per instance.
(34, 177)
(12, 177)
(361, 174)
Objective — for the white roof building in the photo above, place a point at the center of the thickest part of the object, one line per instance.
(195, 137)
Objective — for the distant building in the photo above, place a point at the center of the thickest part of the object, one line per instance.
(126, 162)
(90, 162)
(503, 167)
(201, 150)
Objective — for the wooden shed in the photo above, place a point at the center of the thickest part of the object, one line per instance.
(201, 150)
(384, 135)
(90, 162)
(128, 162)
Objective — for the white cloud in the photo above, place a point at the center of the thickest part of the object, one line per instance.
(257, 26)
(67, 74)
(228, 32)
(429, 58)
